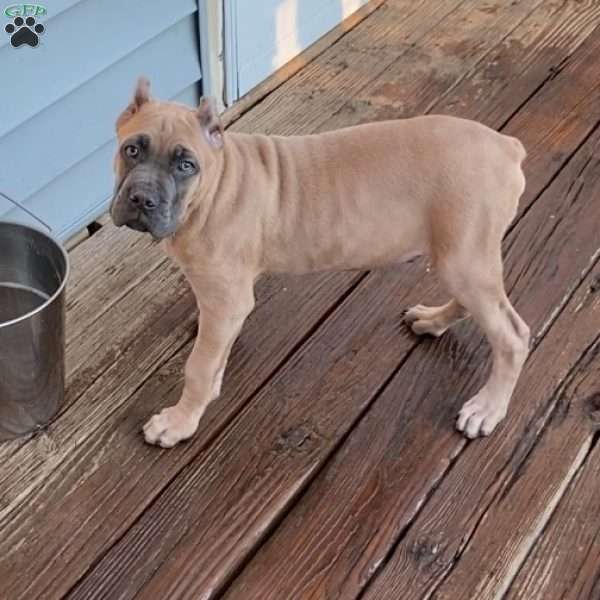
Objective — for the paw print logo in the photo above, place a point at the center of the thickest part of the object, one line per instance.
(24, 31)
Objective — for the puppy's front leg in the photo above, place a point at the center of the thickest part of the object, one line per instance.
(219, 323)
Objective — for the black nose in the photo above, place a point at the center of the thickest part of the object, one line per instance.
(140, 200)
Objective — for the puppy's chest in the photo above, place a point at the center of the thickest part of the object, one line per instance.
(202, 262)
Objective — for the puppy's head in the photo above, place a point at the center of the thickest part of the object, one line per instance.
(167, 155)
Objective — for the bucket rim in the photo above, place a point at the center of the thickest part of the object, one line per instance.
(63, 283)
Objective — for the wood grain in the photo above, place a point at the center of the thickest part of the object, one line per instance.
(545, 43)
(457, 529)
(229, 497)
(521, 510)
(442, 85)
(72, 511)
(363, 502)
(458, 49)
(255, 95)
(307, 100)
(24, 477)
(564, 562)
(566, 108)
(103, 574)
(494, 86)
(95, 450)
(479, 476)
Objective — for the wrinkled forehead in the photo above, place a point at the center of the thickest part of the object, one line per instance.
(164, 128)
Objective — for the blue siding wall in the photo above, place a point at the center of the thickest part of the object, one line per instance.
(57, 115)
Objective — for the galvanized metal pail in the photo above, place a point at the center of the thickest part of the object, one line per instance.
(34, 268)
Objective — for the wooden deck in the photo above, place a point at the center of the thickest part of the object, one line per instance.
(330, 467)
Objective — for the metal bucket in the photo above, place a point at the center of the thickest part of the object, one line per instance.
(34, 268)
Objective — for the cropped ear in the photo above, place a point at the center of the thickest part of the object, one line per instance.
(141, 95)
(210, 122)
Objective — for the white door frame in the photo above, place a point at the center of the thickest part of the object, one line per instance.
(211, 15)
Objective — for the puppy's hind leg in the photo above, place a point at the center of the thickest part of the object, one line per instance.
(477, 285)
(434, 320)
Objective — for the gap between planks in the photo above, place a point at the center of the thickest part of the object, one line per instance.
(141, 244)
(522, 452)
(322, 492)
(568, 295)
(229, 117)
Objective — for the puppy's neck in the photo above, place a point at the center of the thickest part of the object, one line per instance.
(237, 212)
(202, 206)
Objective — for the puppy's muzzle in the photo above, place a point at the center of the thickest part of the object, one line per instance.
(145, 204)
(142, 202)
(135, 209)
(142, 205)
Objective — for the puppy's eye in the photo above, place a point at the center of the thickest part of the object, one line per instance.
(132, 151)
(186, 166)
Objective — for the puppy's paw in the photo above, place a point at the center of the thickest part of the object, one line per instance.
(424, 320)
(480, 415)
(169, 427)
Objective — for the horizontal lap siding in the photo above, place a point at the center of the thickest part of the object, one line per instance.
(56, 7)
(57, 126)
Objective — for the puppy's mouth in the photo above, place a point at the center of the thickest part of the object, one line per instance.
(137, 226)
(157, 231)
(156, 221)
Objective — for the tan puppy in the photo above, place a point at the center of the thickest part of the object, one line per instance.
(231, 206)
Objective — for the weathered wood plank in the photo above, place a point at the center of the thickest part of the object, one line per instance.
(316, 92)
(397, 93)
(98, 281)
(84, 449)
(566, 108)
(324, 43)
(438, 538)
(380, 496)
(536, 52)
(401, 452)
(132, 583)
(502, 539)
(280, 442)
(30, 486)
(113, 255)
(545, 43)
(104, 270)
(565, 560)
(521, 509)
